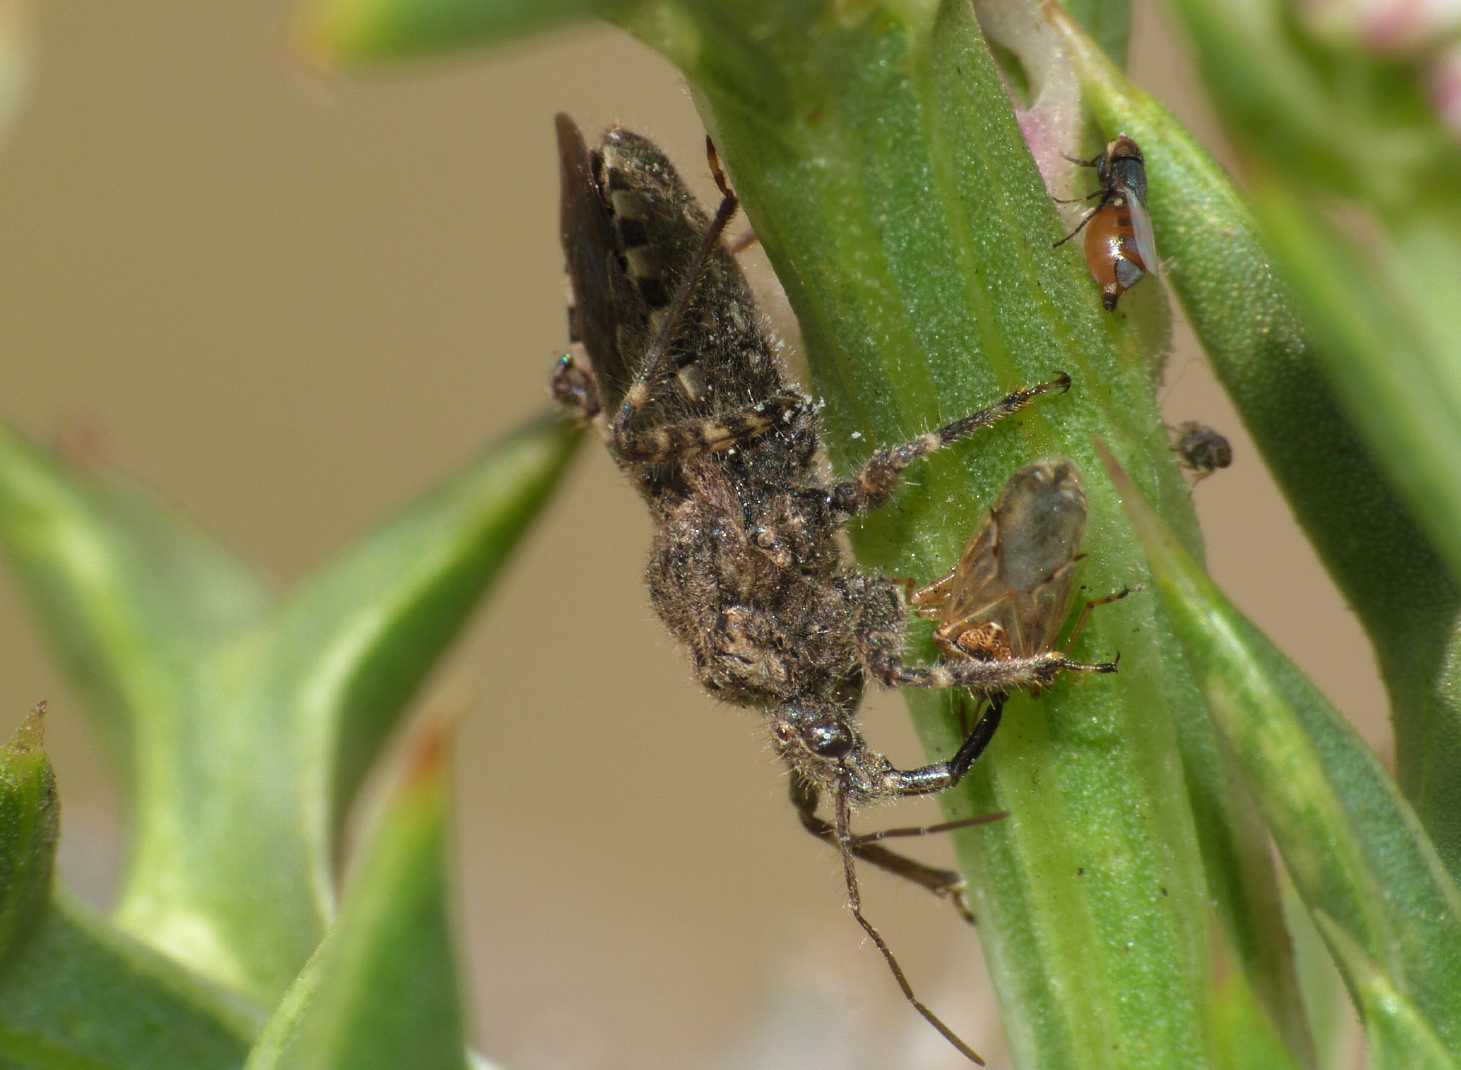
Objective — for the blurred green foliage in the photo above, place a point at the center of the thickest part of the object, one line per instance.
(245, 727)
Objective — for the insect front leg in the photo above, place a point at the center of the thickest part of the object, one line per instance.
(880, 640)
(1079, 226)
(880, 476)
(940, 776)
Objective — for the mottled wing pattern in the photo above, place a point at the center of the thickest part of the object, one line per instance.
(1042, 516)
(1018, 571)
(603, 295)
(721, 353)
(975, 586)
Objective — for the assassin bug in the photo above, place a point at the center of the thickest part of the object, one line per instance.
(1119, 246)
(673, 364)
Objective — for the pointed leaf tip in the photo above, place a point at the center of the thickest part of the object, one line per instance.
(1397, 1034)
(347, 1007)
(431, 755)
(31, 735)
(29, 828)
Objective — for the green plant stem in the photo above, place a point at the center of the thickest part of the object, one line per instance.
(884, 172)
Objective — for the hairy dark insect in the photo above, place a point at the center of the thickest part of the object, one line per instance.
(1202, 450)
(1010, 594)
(673, 364)
(1119, 248)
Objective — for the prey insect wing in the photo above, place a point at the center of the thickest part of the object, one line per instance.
(1016, 576)
(1010, 593)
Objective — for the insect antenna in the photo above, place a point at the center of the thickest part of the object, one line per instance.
(654, 367)
(862, 839)
(854, 900)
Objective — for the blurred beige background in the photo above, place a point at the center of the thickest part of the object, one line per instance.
(287, 303)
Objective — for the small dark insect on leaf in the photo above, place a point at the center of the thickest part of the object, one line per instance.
(1202, 450)
(673, 363)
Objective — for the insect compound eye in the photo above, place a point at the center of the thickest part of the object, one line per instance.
(828, 739)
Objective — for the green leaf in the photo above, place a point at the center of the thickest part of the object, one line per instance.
(246, 730)
(1245, 1038)
(1277, 376)
(1108, 23)
(1239, 869)
(236, 825)
(1382, 314)
(381, 990)
(1399, 1036)
(884, 173)
(29, 824)
(1354, 848)
(1326, 1000)
(351, 31)
(1330, 113)
(130, 597)
(77, 995)
(1326, 117)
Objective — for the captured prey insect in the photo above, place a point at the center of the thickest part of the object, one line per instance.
(1120, 247)
(674, 365)
(1202, 450)
(1010, 593)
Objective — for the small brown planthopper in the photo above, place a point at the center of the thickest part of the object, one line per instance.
(1010, 594)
